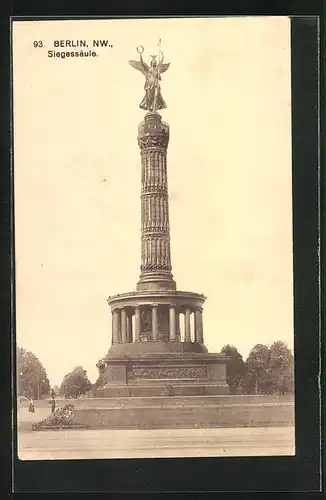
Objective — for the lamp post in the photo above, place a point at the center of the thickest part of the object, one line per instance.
(18, 384)
(38, 388)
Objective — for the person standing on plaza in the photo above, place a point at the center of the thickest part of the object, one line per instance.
(31, 406)
(52, 403)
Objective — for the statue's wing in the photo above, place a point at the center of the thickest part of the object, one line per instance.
(163, 67)
(140, 65)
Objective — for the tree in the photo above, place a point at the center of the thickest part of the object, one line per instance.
(100, 382)
(235, 367)
(31, 375)
(281, 367)
(269, 370)
(56, 390)
(258, 378)
(75, 383)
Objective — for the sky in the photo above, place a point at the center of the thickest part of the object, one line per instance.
(77, 179)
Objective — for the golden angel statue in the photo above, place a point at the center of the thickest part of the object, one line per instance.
(153, 99)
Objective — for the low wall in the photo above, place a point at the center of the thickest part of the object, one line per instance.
(172, 412)
(160, 413)
(165, 400)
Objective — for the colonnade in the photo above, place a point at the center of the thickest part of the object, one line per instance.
(123, 330)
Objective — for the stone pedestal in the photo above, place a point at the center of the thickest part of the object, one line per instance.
(161, 368)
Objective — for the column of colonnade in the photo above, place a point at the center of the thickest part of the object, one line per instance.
(123, 331)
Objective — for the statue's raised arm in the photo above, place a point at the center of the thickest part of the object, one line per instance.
(153, 99)
(162, 67)
(140, 65)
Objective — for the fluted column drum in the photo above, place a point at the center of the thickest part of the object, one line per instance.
(153, 138)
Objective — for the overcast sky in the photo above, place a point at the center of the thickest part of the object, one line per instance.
(77, 180)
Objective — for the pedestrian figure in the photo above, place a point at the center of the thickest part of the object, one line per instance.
(52, 403)
(31, 406)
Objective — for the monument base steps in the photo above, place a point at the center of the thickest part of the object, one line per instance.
(188, 412)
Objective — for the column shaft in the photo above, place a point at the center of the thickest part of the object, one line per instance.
(123, 326)
(154, 324)
(118, 325)
(201, 327)
(198, 327)
(187, 326)
(173, 335)
(129, 327)
(177, 324)
(137, 324)
(114, 328)
(195, 327)
(153, 138)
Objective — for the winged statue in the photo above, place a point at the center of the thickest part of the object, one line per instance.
(153, 99)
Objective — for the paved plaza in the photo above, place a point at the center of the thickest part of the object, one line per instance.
(165, 443)
(96, 444)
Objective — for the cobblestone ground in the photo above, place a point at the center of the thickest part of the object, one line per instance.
(81, 444)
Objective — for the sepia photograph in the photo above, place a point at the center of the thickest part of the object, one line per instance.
(154, 286)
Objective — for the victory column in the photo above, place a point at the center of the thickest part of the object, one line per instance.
(147, 352)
